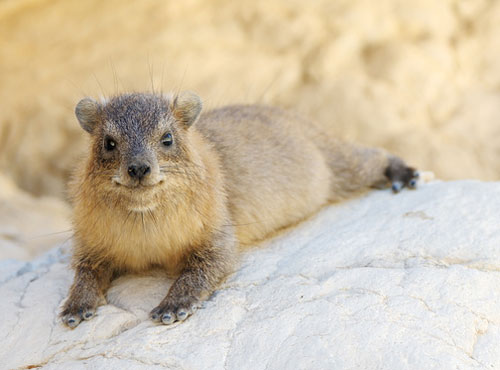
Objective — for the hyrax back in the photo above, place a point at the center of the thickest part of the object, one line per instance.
(164, 186)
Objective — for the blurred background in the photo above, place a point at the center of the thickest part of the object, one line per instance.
(420, 78)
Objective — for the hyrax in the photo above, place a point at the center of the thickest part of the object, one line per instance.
(163, 186)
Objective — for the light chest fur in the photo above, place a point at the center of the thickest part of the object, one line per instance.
(136, 241)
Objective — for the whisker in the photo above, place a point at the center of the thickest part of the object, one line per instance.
(49, 234)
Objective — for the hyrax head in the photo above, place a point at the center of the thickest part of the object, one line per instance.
(135, 135)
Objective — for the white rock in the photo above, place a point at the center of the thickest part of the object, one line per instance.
(407, 281)
(30, 226)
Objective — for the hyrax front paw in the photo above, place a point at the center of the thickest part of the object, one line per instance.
(400, 175)
(74, 312)
(171, 310)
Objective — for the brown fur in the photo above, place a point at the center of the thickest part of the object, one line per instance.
(239, 174)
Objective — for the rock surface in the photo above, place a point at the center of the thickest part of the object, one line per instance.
(381, 282)
(30, 226)
(391, 73)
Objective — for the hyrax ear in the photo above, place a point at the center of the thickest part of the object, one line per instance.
(187, 107)
(87, 112)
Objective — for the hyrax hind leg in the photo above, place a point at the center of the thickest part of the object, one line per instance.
(356, 168)
(204, 269)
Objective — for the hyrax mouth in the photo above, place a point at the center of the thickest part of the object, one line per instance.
(138, 197)
(138, 185)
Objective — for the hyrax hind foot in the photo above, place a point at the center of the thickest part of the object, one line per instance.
(400, 175)
(171, 309)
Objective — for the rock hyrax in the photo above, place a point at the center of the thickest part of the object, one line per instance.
(163, 186)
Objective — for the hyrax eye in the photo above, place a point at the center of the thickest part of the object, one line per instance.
(109, 144)
(167, 139)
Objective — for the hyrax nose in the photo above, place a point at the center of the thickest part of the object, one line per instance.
(138, 171)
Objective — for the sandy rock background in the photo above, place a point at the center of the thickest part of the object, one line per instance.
(421, 78)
